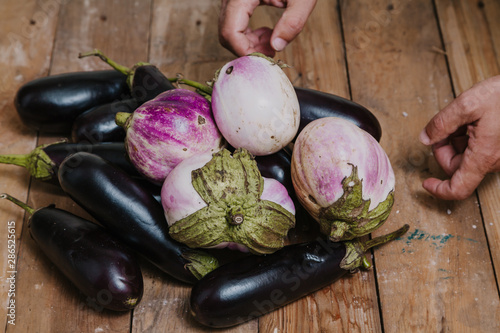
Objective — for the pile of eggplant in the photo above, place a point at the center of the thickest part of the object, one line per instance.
(184, 176)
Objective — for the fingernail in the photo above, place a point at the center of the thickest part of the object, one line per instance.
(279, 44)
(424, 138)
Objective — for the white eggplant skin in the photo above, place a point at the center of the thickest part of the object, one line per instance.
(333, 159)
(164, 131)
(180, 199)
(255, 105)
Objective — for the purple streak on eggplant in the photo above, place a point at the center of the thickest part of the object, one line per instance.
(101, 267)
(316, 104)
(131, 213)
(253, 286)
(44, 161)
(50, 104)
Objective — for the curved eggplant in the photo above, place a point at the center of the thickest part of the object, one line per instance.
(131, 213)
(316, 104)
(44, 161)
(101, 267)
(50, 104)
(253, 286)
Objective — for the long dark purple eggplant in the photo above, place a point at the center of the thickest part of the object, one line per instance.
(98, 124)
(145, 80)
(44, 161)
(240, 291)
(129, 211)
(103, 269)
(316, 104)
(50, 104)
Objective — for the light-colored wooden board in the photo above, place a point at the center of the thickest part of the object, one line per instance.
(28, 31)
(472, 44)
(48, 300)
(428, 280)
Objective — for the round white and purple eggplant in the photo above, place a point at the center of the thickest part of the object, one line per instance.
(166, 130)
(255, 105)
(221, 200)
(343, 178)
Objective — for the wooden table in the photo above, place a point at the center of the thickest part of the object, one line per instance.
(402, 59)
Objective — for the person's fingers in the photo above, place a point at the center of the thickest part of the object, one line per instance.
(291, 22)
(260, 41)
(463, 182)
(463, 110)
(447, 157)
(233, 25)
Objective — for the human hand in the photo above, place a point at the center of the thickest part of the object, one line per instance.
(236, 36)
(465, 138)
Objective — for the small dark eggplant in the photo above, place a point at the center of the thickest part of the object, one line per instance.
(44, 161)
(145, 80)
(98, 124)
(101, 267)
(316, 104)
(50, 104)
(131, 213)
(253, 286)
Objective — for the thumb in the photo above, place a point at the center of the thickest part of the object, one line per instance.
(291, 23)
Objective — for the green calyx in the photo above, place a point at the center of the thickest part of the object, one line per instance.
(122, 119)
(37, 162)
(349, 217)
(200, 263)
(231, 186)
(355, 250)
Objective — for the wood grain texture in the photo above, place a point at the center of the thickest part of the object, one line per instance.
(49, 300)
(476, 26)
(28, 31)
(395, 70)
(402, 59)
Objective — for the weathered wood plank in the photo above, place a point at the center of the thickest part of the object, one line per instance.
(471, 32)
(429, 280)
(47, 299)
(27, 36)
(317, 61)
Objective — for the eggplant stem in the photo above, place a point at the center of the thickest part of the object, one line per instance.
(98, 53)
(203, 88)
(355, 250)
(121, 118)
(17, 202)
(15, 159)
(365, 246)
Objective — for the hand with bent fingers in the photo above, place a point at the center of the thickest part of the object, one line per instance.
(465, 139)
(237, 37)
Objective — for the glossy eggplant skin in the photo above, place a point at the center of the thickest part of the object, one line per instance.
(126, 209)
(50, 104)
(114, 153)
(98, 124)
(148, 82)
(99, 265)
(277, 166)
(316, 104)
(251, 287)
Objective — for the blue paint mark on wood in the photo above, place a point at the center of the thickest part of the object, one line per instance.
(438, 241)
